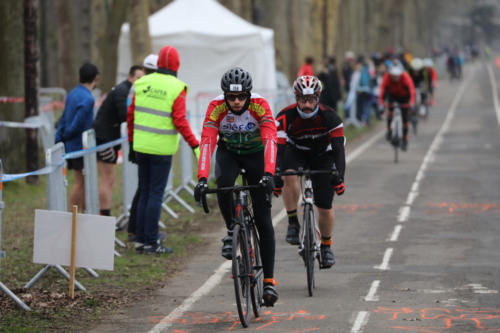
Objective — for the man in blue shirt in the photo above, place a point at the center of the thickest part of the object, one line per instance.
(77, 117)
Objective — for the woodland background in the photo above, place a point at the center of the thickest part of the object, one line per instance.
(59, 35)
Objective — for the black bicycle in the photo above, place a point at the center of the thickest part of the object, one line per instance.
(247, 271)
(310, 242)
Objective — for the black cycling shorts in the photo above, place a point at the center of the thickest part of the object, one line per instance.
(75, 163)
(109, 155)
(322, 184)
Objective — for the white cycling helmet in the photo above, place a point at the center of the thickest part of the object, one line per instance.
(395, 70)
(307, 85)
(417, 64)
(428, 62)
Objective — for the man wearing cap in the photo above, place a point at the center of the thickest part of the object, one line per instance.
(149, 65)
(159, 115)
(111, 114)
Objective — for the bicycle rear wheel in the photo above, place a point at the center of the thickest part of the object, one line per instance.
(309, 251)
(241, 273)
(257, 280)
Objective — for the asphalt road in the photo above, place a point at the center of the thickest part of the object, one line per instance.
(417, 243)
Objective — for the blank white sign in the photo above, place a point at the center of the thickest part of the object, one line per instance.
(95, 239)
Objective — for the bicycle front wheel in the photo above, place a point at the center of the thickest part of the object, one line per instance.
(258, 273)
(309, 251)
(241, 273)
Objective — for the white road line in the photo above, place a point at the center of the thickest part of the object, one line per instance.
(360, 322)
(385, 261)
(495, 93)
(395, 233)
(371, 297)
(215, 279)
(411, 197)
(358, 151)
(404, 213)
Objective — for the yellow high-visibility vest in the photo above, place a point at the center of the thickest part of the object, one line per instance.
(154, 130)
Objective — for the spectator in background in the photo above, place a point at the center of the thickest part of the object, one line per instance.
(347, 70)
(77, 117)
(307, 67)
(364, 92)
(330, 95)
(150, 66)
(111, 114)
(159, 115)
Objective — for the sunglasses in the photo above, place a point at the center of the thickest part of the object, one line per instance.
(308, 98)
(233, 97)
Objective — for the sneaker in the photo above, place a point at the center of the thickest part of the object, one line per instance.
(227, 247)
(292, 234)
(131, 237)
(270, 295)
(404, 145)
(157, 249)
(139, 247)
(327, 258)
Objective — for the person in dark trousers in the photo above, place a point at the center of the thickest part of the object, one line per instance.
(111, 114)
(77, 118)
(330, 95)
(158, 110)
(150, 66)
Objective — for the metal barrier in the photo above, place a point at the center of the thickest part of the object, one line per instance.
(130, 180)
(3, 287)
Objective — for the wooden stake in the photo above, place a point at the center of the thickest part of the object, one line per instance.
(73, 254)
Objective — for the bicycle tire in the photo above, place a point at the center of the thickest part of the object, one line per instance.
(309, 248)
(257, 288)
(241, 274)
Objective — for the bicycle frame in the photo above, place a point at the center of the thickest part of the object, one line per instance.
(307, 198)
(247, 269)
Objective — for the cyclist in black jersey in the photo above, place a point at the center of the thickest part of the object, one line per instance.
(311, 136)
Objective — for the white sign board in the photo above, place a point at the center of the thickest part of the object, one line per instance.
(95, 239)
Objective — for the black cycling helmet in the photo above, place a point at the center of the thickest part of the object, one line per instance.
(235, 80)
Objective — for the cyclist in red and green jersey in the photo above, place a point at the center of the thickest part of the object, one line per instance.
(246, 129)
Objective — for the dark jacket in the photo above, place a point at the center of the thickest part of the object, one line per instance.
(330, 95)
(112, 113)
(77, 118)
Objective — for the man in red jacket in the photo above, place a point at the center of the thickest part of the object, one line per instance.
(158, 115)
(397, 86)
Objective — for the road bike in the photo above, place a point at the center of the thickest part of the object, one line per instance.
(246, 269)
(396, 130)
(310, 240)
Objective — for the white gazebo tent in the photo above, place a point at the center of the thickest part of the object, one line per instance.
(210, 40)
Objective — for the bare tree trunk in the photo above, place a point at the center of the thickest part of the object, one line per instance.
(108, 44)
(69, 76)
(12, 69)
(140, 40)
(31, 84)
(293, 66)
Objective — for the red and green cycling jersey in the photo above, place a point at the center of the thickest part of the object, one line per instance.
(251, 131)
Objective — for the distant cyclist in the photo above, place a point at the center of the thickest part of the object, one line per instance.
(247, 139)
(431, 77)
(311, 136)
(397, 86)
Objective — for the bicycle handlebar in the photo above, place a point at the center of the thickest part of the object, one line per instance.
(236, 188)
(307, 172)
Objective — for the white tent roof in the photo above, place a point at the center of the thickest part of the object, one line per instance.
(210, 39)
